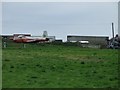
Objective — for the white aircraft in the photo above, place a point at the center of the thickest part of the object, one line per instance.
(29, 39)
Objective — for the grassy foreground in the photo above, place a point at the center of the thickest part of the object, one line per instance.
(55, 66)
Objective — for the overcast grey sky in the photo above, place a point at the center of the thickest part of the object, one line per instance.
(60, 18)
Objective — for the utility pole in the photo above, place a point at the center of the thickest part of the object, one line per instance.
(113, 30)
(113, 40)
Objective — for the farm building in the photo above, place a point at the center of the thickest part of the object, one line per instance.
(91, 40)
(6, 36)
(58, 41)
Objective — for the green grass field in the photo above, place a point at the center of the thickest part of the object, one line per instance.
(57, 66)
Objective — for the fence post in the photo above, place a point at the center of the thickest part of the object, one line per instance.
(24, 45)
(5, 45)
